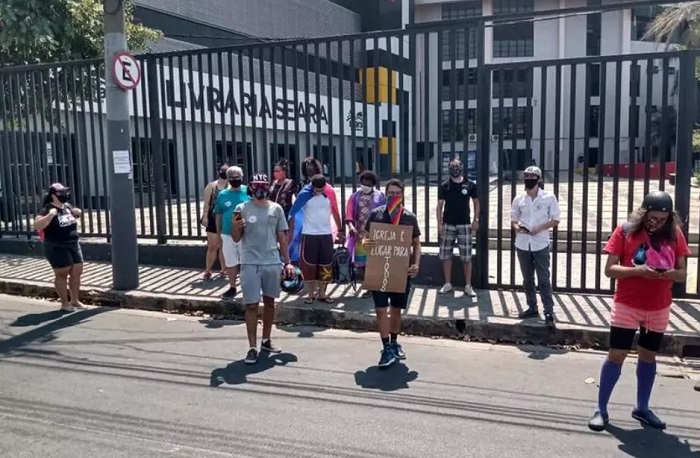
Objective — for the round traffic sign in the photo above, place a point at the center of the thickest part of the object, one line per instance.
(126, 70)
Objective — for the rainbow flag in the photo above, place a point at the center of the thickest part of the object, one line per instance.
(395, 209)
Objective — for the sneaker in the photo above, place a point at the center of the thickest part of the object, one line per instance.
(388, 357)
(446, 288)
(230, 294)
(648, 418)
(598, 421)
(398, 351)
(469, 291)
(252, 356)
(269, 347)
(549, 320)
(529, 313)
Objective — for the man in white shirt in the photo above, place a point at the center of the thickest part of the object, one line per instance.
(533, 214)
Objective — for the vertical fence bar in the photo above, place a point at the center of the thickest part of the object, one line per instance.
(285, 97)
(454, 125)
(647, 123)
(390, 91)
(145, 191)
(365, 92)
(156, 156)
(572, 165)
(297, 140)
(13, 153)
(138, 157)
(244, 134)
(413, 65)
(234, 146)
(376, 154)
(32, 169)
(602, 119)
(67, 103)
(331, 145)
(557, 161)
(172, 161)
(500, 111)
(515, 121)
(186, 151)
(39, 133)
(544, 73)
(5, 175)
(201, 212)
(223, 114)
(164, 163)
(687, 111)
(633, 131)
(273, 83)
(469, 118)
(317, 74)
(265, 147)
(353, 113)
(586, 159)
(76, 173)
(341, 121)
(426, 137)
(40, 111)
(616, 144)
(52, 120)
(100, 117)
(307, 89)
(663, 156)
(21, 189)
(85, 158)
(483, 153)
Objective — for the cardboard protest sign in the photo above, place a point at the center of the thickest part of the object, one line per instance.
(387, 262)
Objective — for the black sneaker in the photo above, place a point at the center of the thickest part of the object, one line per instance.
(529, 313)
(269, 347)
(388, 358)
(648, 418)
(230, 294)
(549, 320)
(252, 356)
(598, 421)
(398, 351)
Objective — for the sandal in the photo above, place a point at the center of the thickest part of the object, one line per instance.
(309, 300)
(326, 300)
(206, 276)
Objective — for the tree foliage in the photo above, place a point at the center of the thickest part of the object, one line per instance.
(46, 31)
(40, 31)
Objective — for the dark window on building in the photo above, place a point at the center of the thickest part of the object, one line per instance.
(513, 40)
(515, 83)
(389, 131)
(515, 122)
(594, 121)
(458, 75)
(456, 128)
(642, 18)
(512, 6)
(594, 79)
(456, 43)
(593, 31)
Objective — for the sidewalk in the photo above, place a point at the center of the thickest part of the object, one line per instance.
(582, 320)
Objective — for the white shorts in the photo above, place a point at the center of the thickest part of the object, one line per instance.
(231, 250)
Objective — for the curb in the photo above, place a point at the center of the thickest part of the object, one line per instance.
(496, 330)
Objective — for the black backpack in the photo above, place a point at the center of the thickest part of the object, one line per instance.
(343, 267)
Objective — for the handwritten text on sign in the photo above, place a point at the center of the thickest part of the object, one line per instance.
(388, 261)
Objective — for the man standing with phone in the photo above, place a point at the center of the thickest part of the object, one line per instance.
(533, 214)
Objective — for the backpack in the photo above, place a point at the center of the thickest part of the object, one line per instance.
(343, 267)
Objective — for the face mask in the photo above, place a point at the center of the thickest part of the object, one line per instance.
(455, 173)
(531, 183)
(279, 176)
(235, 182)
(261, 193)
(222, 175)
(63, 198)
(366, 189)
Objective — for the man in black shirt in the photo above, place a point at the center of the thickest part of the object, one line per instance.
(454, 224)
(389, 324)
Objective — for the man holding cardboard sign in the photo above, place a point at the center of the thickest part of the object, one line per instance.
(393, 244)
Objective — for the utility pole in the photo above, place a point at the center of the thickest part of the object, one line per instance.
(125, 263)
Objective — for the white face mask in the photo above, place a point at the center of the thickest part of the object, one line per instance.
(366, 189)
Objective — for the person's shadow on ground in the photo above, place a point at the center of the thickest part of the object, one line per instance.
(237, 372)
(393, 378)
(648, 442)
(35, 319)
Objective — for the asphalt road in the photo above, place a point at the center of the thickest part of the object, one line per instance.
(106, 383)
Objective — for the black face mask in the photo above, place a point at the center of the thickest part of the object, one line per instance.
(261, 194)
(455, 173)
(222, 175)
(531, 183)
(235, 183)
(63, 198)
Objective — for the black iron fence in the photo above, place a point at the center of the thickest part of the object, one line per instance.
(605, 129)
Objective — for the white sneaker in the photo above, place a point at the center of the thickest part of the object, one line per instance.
(469, 291)
(446, 288)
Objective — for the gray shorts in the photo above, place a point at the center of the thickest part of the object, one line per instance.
(461, 234)
(257, 281)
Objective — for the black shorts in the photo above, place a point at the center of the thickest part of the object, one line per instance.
(63, 254)
(211, 224)
(316, 257)
(395, 300)
(623, 339)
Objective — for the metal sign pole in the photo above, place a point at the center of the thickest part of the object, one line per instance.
(125, 267)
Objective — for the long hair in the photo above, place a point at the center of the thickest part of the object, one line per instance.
(315, 164)
(667, 233)
(283, 164)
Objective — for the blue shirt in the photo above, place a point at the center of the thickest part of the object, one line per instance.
(226, 203)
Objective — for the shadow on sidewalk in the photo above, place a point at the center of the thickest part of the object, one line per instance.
(47, 332)
(393, 378)
(651, 443)
(237, 372)
(35, 319)
(541, 353)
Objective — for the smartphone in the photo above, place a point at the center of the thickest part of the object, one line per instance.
(523, 228)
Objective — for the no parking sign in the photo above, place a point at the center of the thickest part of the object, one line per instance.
(126, 70)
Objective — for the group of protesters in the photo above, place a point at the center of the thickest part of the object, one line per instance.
(271, 231)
